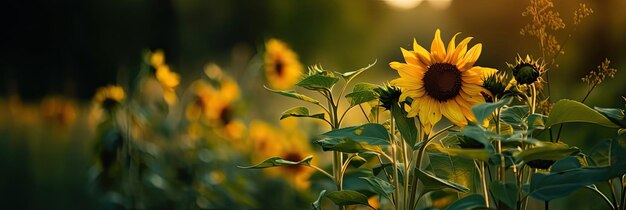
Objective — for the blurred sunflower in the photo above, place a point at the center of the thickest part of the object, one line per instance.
(442, 81)
(58, 110)
(169, 80)
(109, 97)
(282, 68)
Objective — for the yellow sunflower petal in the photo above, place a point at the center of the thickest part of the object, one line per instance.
(437, 49)
(409, 56)
(422, 54)
(472, 77)
(459, 51)
(407, 83)
(414, 93)
(408, 70)
(452, 111)
(470, 58)
(451, 46)
(435, 112)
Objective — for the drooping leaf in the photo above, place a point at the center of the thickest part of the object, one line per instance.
(432, 182)
(348, 197)
(380, 186)
(505, 193)
(548, 151)
(615, 115)
(300, 111)
(472, 201)
(514, 115)
(362, 92)
(474, 154)
(277, 161)
(294, 94)
(566, 111)
(405, 125)
(482, 111)
(351, 74)
(565, 164)
(600, 153)
(347, 145)
(370, 133)
(318, 81)
(317, 204)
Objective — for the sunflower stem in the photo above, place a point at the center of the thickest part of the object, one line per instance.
(418, 164)
(484, 183)
(395, 161)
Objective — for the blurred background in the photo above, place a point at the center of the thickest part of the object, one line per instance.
(69, 48)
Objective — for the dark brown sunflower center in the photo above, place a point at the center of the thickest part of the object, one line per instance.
(294, 157)
(279, 67)
(442, 81)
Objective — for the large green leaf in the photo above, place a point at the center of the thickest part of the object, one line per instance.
(370, 133)
(294, 94)
(615, 115)
(456, 169)
(537, 121)
(300, 111)
(277, 161)
(431, 182)
(351, 74)
(514, 115)
(474, 154)
(406, 125)
(566, 111)
(348, 197)
(505, 193)
(317, 204)
(347, 145)
(318, 81)
(472, 201)
(362, 92)
(380, 186)
(482, 111)
(548, 151)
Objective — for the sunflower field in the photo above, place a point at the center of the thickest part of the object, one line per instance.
(387, 104)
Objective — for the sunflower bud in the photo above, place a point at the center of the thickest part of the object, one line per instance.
(496, 83)
(388, 95)
(528, 70)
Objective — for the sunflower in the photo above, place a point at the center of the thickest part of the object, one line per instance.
(282, 68)
(527, 71)
(442, 82)
(109, 97)
(169, 80)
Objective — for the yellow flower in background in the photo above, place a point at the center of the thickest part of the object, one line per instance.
(58, 110)
(203, 94)
(282, 68)
(262, 140)
(109, 97)
(169, 80)
(442, 81)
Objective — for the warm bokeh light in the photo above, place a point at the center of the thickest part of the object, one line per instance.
(404, 4)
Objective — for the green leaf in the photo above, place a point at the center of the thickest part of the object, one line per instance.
(406, 125)
(482, 111)
(380, 186)
(514, 115)
(317, 204)
(537, 121)
(318, 81)
(362, 92)
(351, 74)
(615, 115)
(551, 186)
(347, 145)
(294, 94)
(370, 133)
(505, 192)
(548, 151)
(300, 111)
(348, 197)
(432, 182)
(277, 161)
(477, 133)
(474, 154)
(472, 201)
(566, 111)
(455, 169)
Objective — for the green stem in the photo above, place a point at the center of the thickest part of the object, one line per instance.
(484, 183)
(395, 160)
(418, 164)
(613, 195)
(322, 171)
